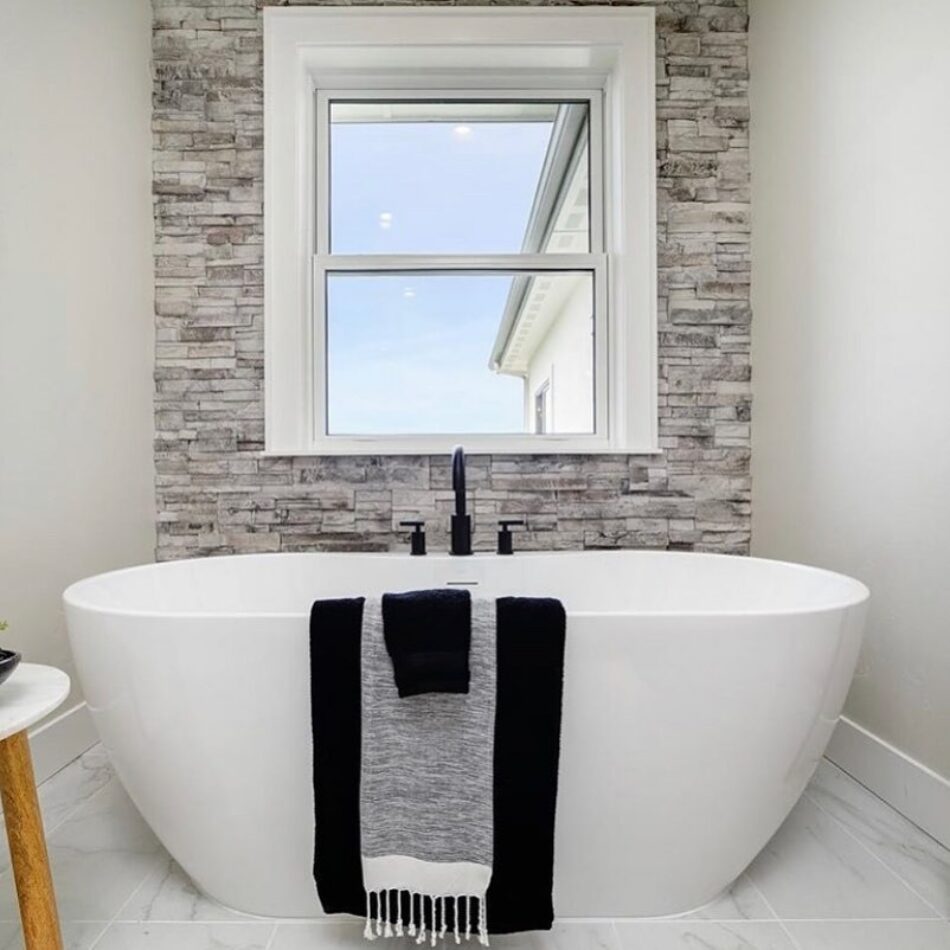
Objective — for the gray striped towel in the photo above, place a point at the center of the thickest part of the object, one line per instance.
(426, 810)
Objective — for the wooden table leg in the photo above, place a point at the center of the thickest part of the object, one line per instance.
(21, 811)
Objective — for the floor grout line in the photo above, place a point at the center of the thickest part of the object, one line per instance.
(72, 812)
(259, 922)
(758, 890)
(873, 854)
(850, 920)
(123, 905)
(272, 937)
(99, 935)
(795, 944)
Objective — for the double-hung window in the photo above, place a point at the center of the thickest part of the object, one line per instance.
(459, 216)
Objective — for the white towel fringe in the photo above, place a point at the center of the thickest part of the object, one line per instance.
(422, 919)
(380, 908)
(368, 929)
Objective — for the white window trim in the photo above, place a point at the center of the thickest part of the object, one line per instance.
(551, 51)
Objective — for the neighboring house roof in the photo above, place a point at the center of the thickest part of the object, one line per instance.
(559, 222)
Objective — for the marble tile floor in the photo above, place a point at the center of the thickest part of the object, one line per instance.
(845, 872)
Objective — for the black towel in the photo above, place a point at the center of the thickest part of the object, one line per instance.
(335, 636)
(428, 634)
(531, 637)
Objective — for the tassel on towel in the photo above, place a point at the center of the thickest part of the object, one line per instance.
(380, 911)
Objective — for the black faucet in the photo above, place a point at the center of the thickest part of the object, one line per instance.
(461, 522)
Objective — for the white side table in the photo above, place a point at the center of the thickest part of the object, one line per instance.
(27, 696)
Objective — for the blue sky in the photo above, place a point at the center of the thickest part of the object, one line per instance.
(408, 353)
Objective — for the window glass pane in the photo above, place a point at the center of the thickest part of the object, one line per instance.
(458, 177)
(414, 353)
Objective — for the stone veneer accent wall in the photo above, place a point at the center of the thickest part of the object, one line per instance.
(217, 494)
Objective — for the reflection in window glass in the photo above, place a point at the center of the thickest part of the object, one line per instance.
(412, 353)
(458, 177)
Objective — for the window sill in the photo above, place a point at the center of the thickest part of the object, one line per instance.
(474, 445)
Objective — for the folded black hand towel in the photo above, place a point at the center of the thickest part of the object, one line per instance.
(428, 634)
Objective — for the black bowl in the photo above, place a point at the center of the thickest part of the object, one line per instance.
(9, 661)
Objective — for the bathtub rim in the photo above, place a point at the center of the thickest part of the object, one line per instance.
(859, 592)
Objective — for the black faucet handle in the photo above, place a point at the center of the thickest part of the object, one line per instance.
(417, 540)
(505, 545)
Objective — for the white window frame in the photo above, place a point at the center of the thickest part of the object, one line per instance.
(316, 54)
(325, 263)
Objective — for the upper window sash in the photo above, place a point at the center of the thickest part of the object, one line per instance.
(323, 97)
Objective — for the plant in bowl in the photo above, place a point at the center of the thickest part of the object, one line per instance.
(9, 660)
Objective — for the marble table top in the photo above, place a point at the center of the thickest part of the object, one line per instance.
(28, 695)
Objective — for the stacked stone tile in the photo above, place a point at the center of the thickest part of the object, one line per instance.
(217, 493)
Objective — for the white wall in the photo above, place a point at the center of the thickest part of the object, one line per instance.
(565, 356)
(851, 338)
(76, 485)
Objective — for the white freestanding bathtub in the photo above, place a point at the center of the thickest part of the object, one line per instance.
(700, 692)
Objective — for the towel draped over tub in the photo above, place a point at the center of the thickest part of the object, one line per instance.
(448, 778)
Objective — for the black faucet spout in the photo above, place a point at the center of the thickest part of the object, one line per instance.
(458, 479)
(461, 521)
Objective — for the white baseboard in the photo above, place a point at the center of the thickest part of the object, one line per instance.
(916, 791)
(56, 743)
